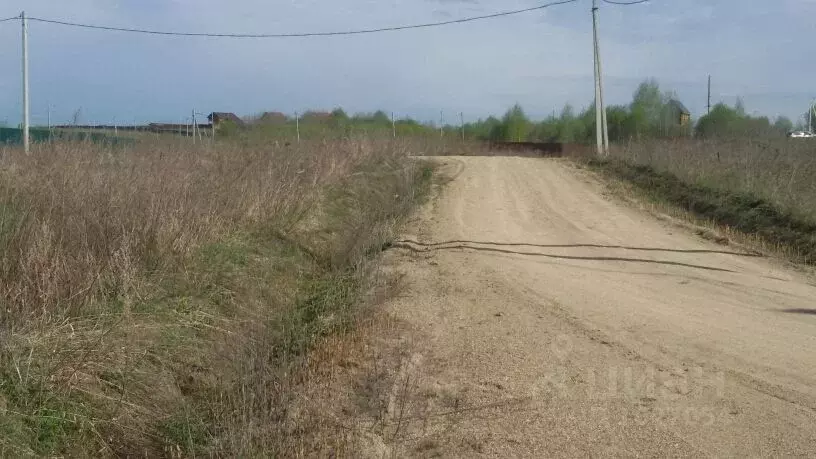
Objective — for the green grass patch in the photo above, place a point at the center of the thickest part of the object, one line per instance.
(37, 421)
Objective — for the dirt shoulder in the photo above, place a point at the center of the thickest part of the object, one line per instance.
(540, 317)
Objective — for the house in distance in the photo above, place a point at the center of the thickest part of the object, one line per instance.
(218, 118)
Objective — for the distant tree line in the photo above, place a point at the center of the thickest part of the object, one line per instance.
(652, 113)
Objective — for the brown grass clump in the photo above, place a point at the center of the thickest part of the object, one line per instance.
(156, 299)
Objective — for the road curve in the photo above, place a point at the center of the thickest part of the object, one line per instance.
(550, 319)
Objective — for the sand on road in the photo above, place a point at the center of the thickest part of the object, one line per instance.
(547, 318)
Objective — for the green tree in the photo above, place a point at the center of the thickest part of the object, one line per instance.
(339, 119)
(339, 114)
(568, 127)
(647, 107)
(545, 131)
(492, 129)
(619, 122)
(722, 121)
(725, 121)
(783, 125)
(585, 126)
(380, 117)
(515, 126)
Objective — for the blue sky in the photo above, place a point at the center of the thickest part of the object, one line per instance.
(761, 50)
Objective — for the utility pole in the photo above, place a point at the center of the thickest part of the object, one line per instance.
(394, 125)
(601, 133)
(200, 133)
(810, 117)
(26, 114)
(462, 123)
(49, 120)
(297, 125)
(441, 123)
(603, 105)
(709, 95)
(194, 126)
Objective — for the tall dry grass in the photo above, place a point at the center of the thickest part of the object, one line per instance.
(780, 171)
(155, 298)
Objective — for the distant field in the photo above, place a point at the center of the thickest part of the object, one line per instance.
(14, 136)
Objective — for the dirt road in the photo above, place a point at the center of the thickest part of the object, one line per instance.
(549, 319)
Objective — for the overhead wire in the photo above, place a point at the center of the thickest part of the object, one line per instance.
(633, 2)
(301, 34)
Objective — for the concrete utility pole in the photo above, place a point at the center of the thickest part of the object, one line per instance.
(462, 123)
(394, 125)
(200, 133)
(441, 123)
(297, 125)
(601, 131)
(194, 126)
(26, 106)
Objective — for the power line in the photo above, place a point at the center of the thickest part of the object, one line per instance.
(10, 19)
(302, 34)
(634, 2)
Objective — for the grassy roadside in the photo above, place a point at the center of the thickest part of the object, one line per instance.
(743, 212)
(169, 316)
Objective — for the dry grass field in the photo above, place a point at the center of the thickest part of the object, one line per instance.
(158, 298)
(762, 188)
